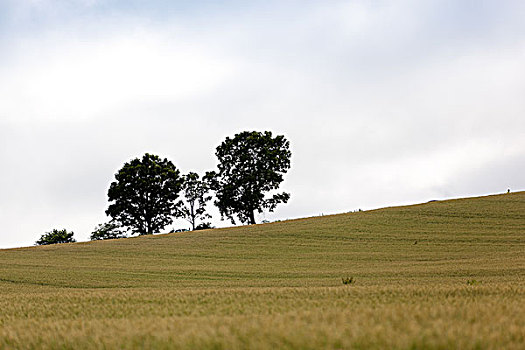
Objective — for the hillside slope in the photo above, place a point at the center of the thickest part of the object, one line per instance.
(445, 274)
(460, 238)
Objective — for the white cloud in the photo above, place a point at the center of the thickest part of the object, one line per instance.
(56, 79)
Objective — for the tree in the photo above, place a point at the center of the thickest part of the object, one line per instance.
(196, 196)
(144, 194)
(108, 230)
(56, 236)
(251, 164)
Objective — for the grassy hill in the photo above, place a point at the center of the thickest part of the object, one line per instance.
(440, 275)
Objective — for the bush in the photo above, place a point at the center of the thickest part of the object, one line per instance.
(348, 280)
(108, 230)
(204, 226)
(56, 236)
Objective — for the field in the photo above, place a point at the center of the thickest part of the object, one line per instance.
(440, 275)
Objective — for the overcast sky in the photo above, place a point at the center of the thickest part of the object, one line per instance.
(384, 102)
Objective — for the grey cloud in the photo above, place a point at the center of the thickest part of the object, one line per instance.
(384, 103)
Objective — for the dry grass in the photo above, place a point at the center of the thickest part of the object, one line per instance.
(462, 285)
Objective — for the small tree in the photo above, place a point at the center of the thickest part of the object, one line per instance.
(56, 236)
(196, 196)
(250, 165)
(108, 230)
(144, 194)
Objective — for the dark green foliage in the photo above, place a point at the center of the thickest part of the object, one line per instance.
(196, 196)
(203, 226)
(108, 230)
(144, 194)
(250, 165)
(56, 236)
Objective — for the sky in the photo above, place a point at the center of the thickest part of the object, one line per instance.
(384, 102)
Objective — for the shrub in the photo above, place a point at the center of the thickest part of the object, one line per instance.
(348, 280)
(56, 236)
(204, 226)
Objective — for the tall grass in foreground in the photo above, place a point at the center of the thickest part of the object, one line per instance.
(279, 285)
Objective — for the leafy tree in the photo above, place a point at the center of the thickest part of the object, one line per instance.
(251, 164)
(56, 236)
(144, 194)
(108, 230)
(196, 196)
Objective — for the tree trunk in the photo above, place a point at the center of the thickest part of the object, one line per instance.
(192, 216)
(252, 218)
(148, 226)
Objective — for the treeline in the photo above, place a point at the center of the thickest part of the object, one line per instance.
(149, 192)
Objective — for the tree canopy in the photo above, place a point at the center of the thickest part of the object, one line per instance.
(107, 230)
(144, 195)
(195, 192)
(251, 164)
(56, 236)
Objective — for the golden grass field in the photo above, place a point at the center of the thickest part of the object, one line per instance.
(279, 285)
